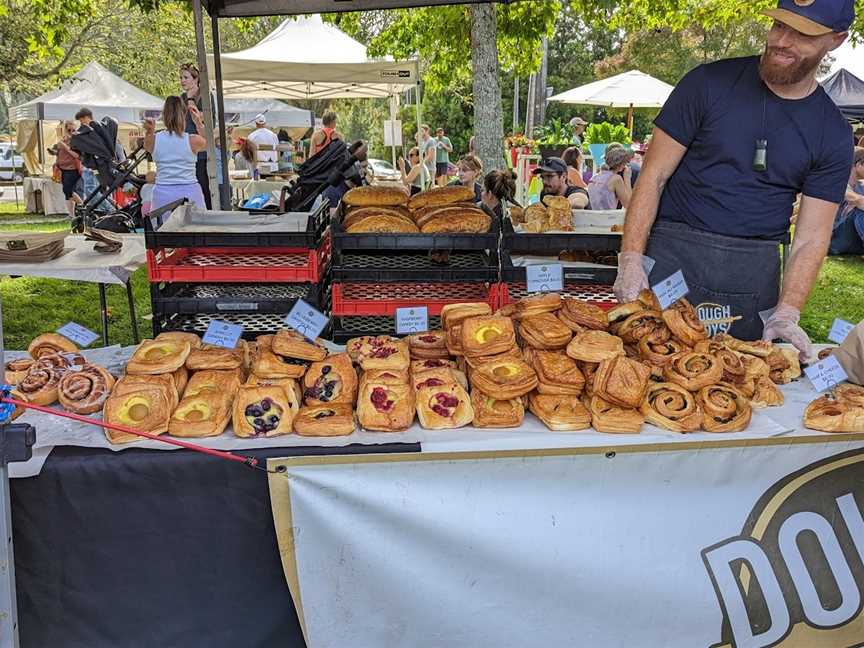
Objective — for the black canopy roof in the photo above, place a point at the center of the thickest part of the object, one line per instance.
(249, 8)
(847, 91)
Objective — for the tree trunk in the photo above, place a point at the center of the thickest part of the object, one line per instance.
(488, 113)
(540, 87)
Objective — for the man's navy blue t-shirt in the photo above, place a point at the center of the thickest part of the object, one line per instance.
(716, 111)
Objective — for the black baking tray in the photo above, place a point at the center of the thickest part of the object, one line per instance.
(414, 266)
(254, 324)
(316, 225)
(218, 298)
(517, 274)
(345, 328)
(343, 241)
(512, 241)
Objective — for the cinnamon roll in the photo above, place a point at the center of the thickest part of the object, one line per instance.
(660, 354)
(85, 391)
(725, 408)
(671, 407)
(50, 343)
(644, 325)
(17, 369)
(693, 371)
(682, 320)
(40, 385)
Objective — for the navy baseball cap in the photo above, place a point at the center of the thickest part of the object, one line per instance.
(551, 165)
(814, 17)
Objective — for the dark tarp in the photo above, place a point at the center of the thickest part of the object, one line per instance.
(847, 91)
(249, 8)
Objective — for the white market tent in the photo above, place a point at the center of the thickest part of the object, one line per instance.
(633, 89)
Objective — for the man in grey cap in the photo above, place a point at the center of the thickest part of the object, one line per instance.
(266, 141)
(578, 125)
(735, 144)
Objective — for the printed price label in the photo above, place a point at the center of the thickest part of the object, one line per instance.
(826, 374)
(307, 321)
(545, 278)
(840, 330)
(671, 290)
(80, 335)
(412, 320)
(223, 334)
(648, 265)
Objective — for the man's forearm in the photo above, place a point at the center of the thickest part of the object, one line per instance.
(641, 214)
(802, 270)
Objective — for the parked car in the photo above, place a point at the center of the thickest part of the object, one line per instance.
(11, 164)
(383, 171)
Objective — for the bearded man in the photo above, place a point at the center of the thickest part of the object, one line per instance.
(737, 141)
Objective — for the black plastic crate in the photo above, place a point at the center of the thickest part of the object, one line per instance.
(345, 328)
(517, 274)
(194, 298)
(343, 241)
(254, 324)
(414, 266)
(512, 241)
(310, 238)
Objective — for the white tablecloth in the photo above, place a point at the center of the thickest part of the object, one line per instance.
(53, 201)
(82, 263)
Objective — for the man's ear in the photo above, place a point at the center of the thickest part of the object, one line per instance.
(838, 39)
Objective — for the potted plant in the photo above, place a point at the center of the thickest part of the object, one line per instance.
(599, 136)
(518, 144)
(554, 137)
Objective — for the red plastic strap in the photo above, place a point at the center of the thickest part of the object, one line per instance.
(249, 461)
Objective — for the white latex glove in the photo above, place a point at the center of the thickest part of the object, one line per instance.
(631, 277)
(783, 324)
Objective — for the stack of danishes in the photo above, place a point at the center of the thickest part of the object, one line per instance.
(56, 372)
(388, 210)
(841, 410)
(552, 214)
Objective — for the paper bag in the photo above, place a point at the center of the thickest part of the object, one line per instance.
(850, 355)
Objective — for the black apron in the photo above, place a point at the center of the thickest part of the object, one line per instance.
(730, 279)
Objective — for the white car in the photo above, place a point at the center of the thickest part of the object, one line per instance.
(383, 171)
(11, 164)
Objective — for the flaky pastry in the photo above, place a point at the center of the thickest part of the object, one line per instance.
(48, 343)
(264, 411)
(622, 381)
(544, 331)
(671, 407)
(331, 419)
(158, 357)
(595, 346)
(332, 380)
(486, 336)
(559, 413)
(492, 413)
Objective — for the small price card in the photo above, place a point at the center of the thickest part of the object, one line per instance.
(223, 334)
(80, 335)
(306, 320)
(648, 265)
(840, 330)
(545, 278)
(826, 374)
(412, 320)
(671, 290)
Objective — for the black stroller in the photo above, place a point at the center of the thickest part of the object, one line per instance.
(96, 144)
(333, 165)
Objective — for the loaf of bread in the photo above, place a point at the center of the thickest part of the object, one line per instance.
(383, 225)
(440, 196)
(458, 220)
(375, 196)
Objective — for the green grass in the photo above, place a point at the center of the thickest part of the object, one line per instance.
(839, 293)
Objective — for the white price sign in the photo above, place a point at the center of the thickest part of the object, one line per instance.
(826, 374)
(223, 334)
(670, 290)
(840, 330)
(545, 278)
(412, 320)
(306, 320)
(80, 335)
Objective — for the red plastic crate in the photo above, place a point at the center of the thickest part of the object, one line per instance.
(384, 299)
(239, 264)
(596, 294)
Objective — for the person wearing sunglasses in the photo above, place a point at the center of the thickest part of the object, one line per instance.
(412, 171)
(191, 96)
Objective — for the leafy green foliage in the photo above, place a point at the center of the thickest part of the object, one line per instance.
(555, 131)
(606, 133)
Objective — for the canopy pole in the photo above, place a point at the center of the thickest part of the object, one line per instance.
(206, 100)
(630, 119)
(393, 128)
(419, 122)
(224, 183)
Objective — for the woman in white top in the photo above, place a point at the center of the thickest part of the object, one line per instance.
(175, 153)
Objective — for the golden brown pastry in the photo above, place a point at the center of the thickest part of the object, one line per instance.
(440, 196)
(354, 347)
(622, 381)
(146, 410)
(453, 340)
(595, 346)
(693, 371)
(85, 391)
(458, 220)
(17, 369)
(558, 374)
(434, 378)
(223, 383)
(453, 314)
(753, 368)
(332, 380)
(583, 314)
(385, 353)
(660, 354)
(214, 358)
(419, 366)
(158, 357)
(264, 411)
(649, 300)
(644, 325)
(40, 385)
(492, 413)
(759, 348)
(131, 383)
(824, 353)
(331, 419)
(384, 407)
(617, 314)
(766, 394)
(62, 361)
(181, 379)
(589, 370)
(486, 336)
(444, 407)
(734, 371)
(611, 419)
(427, 345)
(179, 336)
(725, 408)
(783, 365)
(831, 415)
(291, 344)
(559, 413)
(544, 331)
(383, 224)
(536, 304)
(385, 377)
(504, 379)
(48, 343)
(202, 415)
(671, 407)
(269, 365)
(684, 322)
(375, 196)
(848, 393)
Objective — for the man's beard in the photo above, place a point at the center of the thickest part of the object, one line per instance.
(786, 74)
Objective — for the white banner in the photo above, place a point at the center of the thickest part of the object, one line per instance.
(749, 546)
